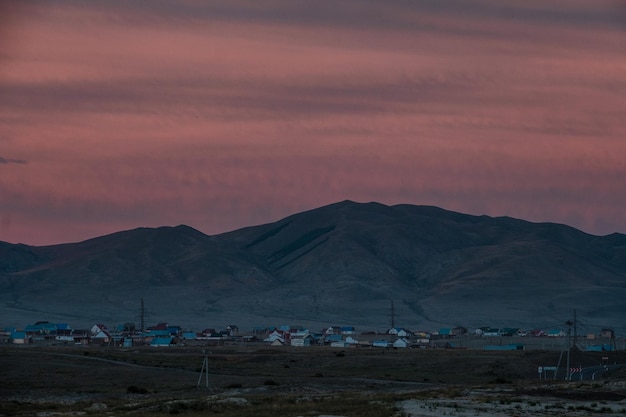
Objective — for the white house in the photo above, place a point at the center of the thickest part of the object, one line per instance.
(97, 328)
(300, 333)
(332, 330)
(351, 341)
(101, 337)
(275, 335)
(401, 343)
(399, 331)
(302, 341)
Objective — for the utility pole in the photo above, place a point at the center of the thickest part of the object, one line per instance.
(393, 316)
(142, 317)
(575, 329)
(569, 334)
(205, 369)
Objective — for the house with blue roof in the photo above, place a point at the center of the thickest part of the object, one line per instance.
(445, 331)
(333, 338)
(380, 343)
(162, 341)
(189, 335)
(348, 330)
(19, 338)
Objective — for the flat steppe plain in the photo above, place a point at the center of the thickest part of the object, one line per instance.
(288, 381)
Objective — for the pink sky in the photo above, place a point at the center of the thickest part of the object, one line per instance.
(221, 115)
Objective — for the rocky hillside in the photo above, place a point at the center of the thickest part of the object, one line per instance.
(338, 264)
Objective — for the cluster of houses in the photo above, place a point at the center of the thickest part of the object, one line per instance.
(163, 334)
(346, 336)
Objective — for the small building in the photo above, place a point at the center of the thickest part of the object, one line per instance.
(509, 331)
(159, 333)
(333, 338)
(102, 337)
(491, 332)
(458, 331)
(346, 330)
(302, 341)
(98, 328)
(445, 332)
(299, 333)
(599, 348)
(161, 341)
(189, 335)
(380, 343)
(208, 332)
(607, 333)
(505, 347)
(275, 335)
(63, 329)
(401, 343)
(19, 338)
(351, 341)
(399, 331)
(81, 336)
(174, 330)
(159, 326)
(332, 330)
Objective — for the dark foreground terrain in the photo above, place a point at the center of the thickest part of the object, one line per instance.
(263, 381)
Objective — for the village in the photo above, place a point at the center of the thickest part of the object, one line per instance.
(165, 335)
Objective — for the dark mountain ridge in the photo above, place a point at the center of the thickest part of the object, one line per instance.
(338, 264)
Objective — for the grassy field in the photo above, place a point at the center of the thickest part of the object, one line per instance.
(262, 381)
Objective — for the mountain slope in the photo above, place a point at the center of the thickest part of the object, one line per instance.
(341, 263)
(444, 267)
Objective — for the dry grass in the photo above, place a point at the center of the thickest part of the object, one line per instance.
(260, 381)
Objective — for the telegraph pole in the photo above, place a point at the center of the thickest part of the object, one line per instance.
(575, 329)
(142, 317)
(205, 369)
(569, 334)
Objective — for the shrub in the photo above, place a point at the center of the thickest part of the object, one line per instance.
(136, 390)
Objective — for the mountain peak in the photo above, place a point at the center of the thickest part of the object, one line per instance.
(339, 263)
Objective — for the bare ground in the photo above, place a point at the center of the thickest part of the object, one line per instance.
(71, 380)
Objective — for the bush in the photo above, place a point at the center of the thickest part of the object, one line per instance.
(136, 390)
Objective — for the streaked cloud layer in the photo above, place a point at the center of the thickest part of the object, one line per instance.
(222, 115)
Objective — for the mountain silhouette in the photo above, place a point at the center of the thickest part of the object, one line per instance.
(339, 264)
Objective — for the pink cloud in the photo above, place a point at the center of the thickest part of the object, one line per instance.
(227, 116)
